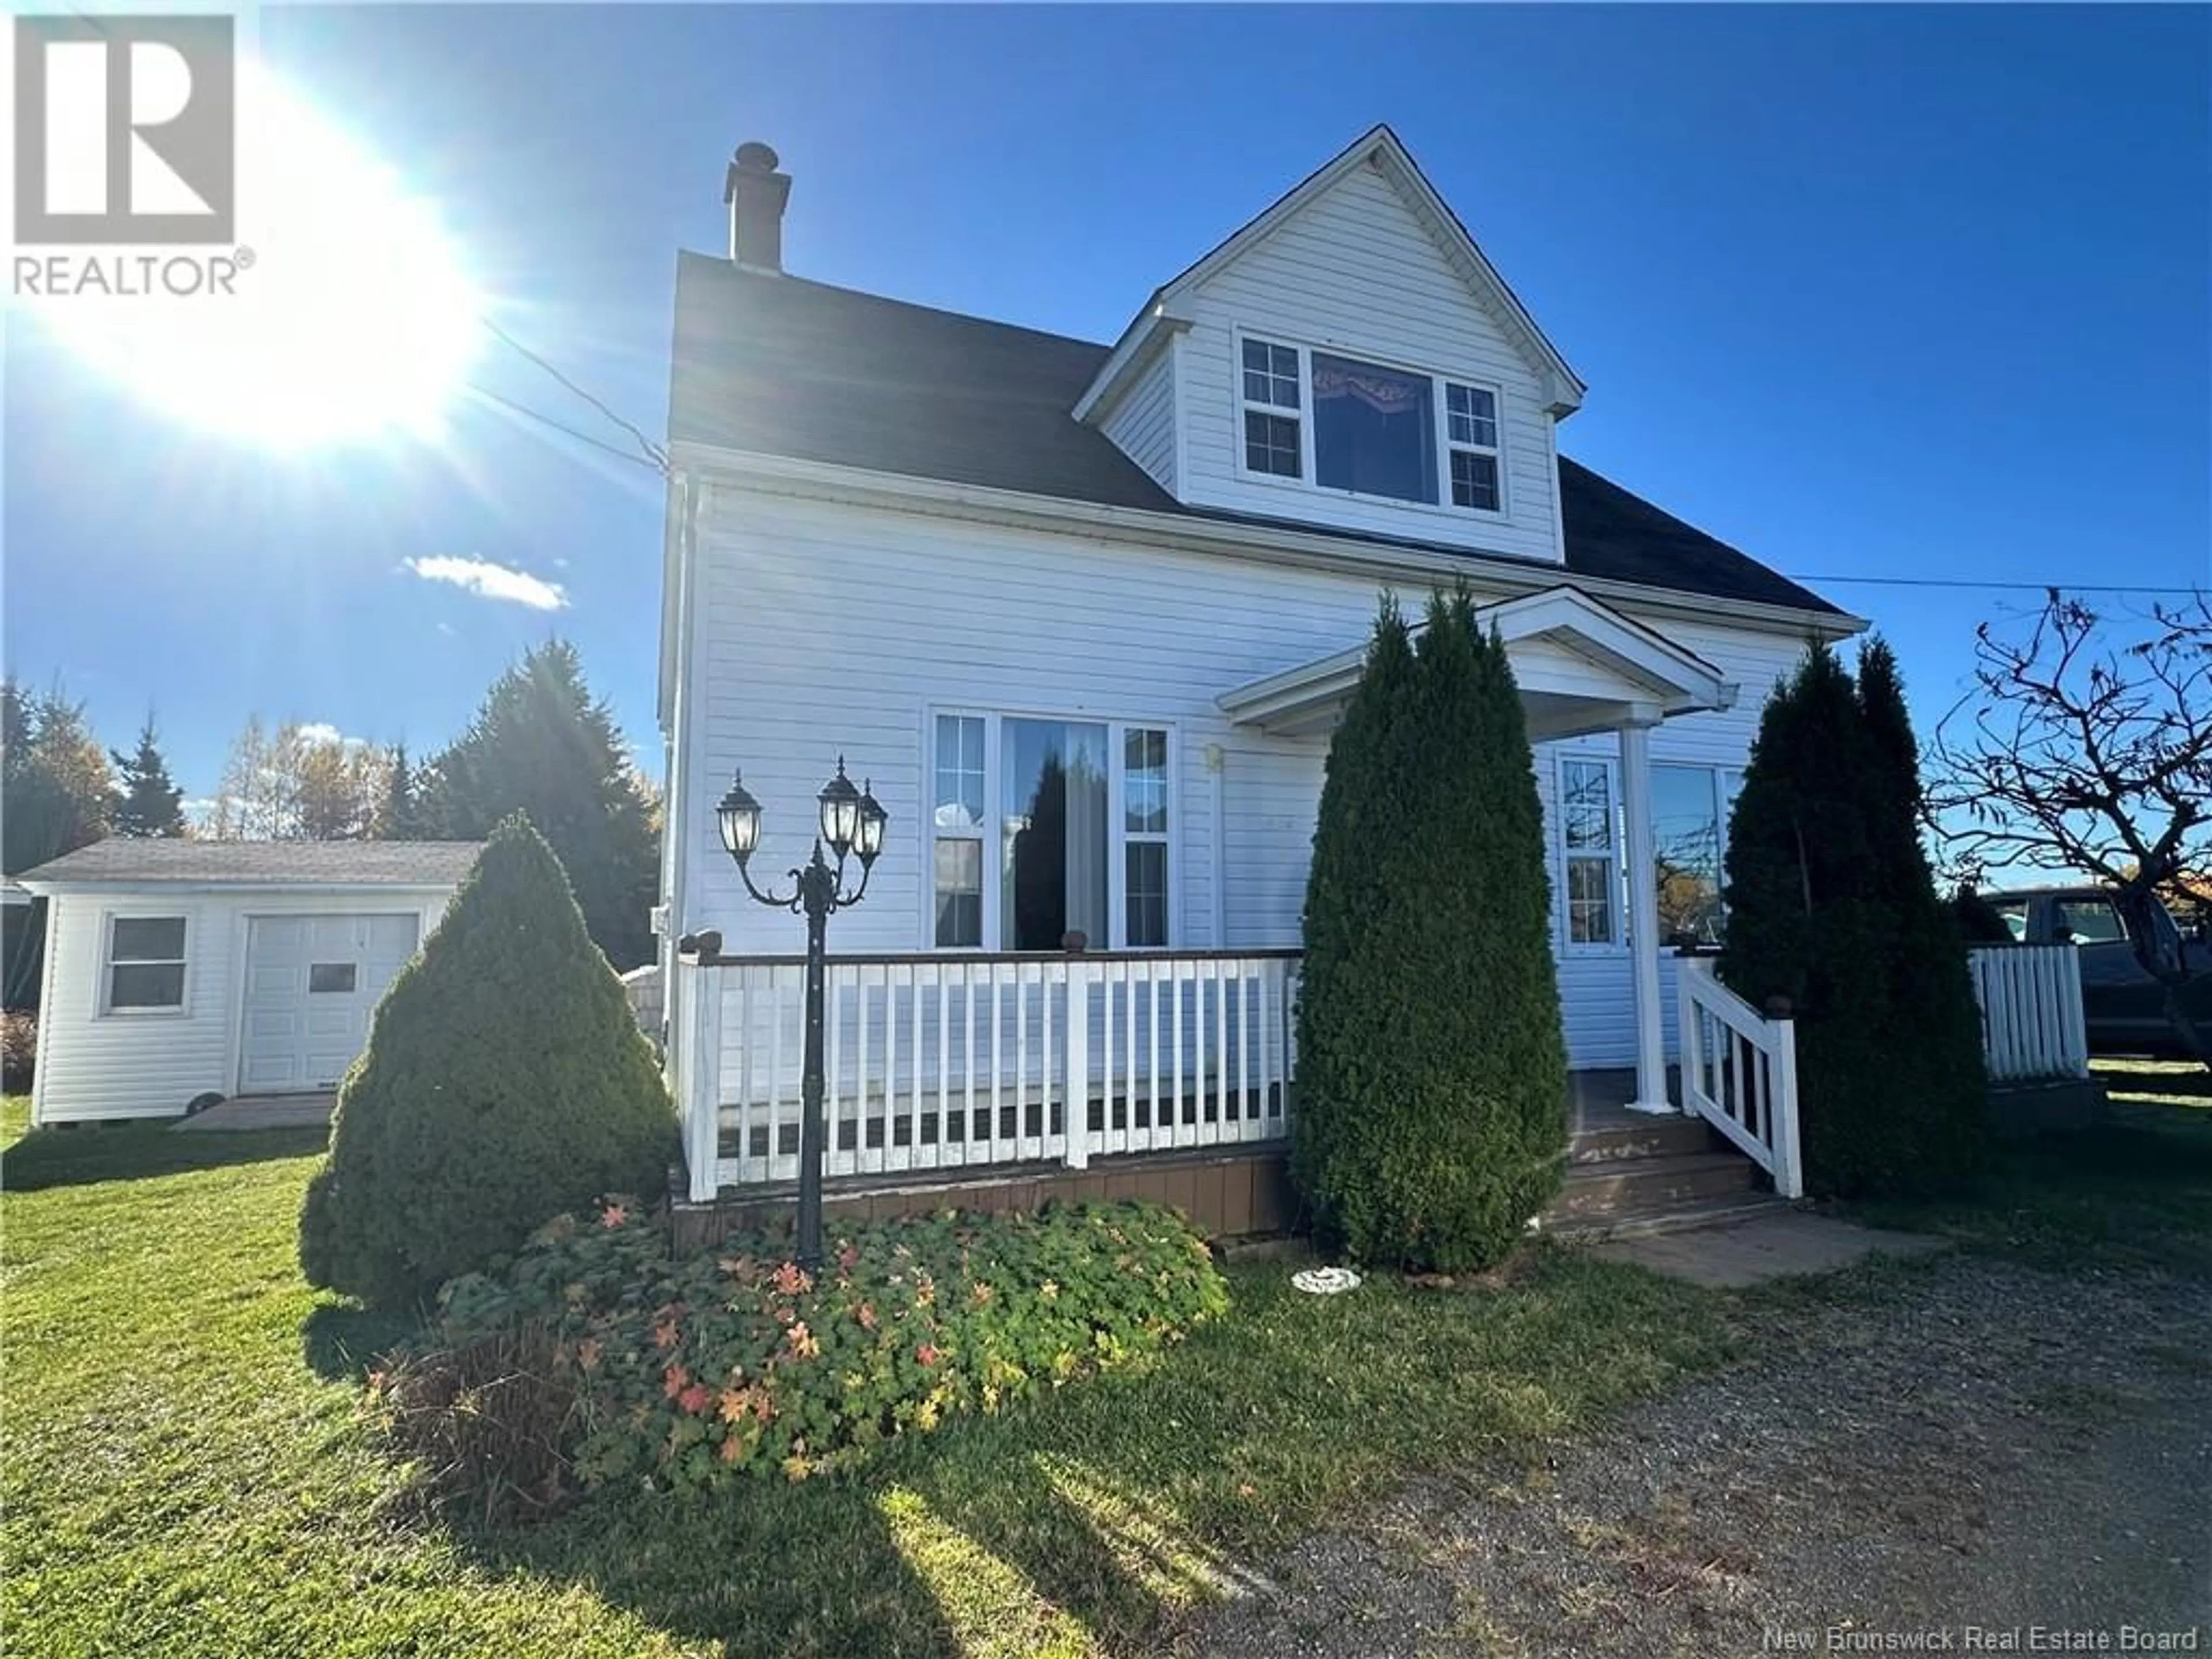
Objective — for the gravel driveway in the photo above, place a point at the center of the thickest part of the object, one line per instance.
(1959, 1443)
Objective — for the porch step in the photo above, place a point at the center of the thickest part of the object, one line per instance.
(1682, 1217)
(1616, 1140)
(1638, 1186)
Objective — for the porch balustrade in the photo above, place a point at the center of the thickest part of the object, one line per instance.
(948, 1061)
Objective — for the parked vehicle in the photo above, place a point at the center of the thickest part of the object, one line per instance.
(2125, 1005)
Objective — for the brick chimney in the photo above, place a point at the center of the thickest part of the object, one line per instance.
(756, 192)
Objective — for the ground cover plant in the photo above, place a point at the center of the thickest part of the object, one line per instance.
(595, 1358)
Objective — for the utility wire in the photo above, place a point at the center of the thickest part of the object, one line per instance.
(2016, 587)
(529, 414)
(655, 457)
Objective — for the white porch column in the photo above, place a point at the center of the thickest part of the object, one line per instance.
(1643, 911)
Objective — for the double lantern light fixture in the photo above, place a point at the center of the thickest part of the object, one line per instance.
(850, 825)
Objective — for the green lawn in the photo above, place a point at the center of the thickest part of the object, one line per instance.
(182, 1470)
(2135, 1196)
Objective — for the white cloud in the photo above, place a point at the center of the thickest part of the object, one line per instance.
(493, 581)
(322, 732)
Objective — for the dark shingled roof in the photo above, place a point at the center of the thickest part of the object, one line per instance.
(126, 861)
(781, 366)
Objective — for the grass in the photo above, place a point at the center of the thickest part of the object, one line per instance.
(183, 1470)
(2134, 1195)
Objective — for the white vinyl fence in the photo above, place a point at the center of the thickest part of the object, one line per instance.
(2032, 1022)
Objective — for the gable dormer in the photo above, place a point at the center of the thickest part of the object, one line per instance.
(1350, 359)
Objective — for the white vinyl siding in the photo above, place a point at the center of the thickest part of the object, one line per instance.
(93, 1066)
(930, 615)
(1143, 422)
(1355, 274)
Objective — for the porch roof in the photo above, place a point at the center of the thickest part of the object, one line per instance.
(1582, 666)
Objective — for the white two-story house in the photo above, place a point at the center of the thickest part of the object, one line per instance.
(1082, 616)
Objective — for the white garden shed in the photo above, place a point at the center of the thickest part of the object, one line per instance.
(179, 968)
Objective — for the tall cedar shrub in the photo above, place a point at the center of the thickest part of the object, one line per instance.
(505, 1081)
(1832, 905)
(1431, 1119)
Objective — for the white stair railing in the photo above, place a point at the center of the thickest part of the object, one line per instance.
(2031, 1020)
(1739, 1072)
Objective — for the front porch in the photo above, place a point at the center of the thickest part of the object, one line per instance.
(1009, 1079)
(944, 1065)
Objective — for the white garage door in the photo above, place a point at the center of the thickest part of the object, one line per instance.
(311, 983)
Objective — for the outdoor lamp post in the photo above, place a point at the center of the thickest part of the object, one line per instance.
(852, 825)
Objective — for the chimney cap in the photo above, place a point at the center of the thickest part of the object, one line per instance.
(754, 156)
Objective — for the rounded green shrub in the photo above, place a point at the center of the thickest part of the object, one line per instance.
(1431, 1121)
(505, 1081)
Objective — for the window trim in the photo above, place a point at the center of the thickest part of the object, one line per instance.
(1616, 857)
(1117, 835)
(1440, 380)
(105, 993)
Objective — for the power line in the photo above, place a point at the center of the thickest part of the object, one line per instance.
(529, 414)
(2015, 586)
(655, 456)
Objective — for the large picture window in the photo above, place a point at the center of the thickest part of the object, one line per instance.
(1367, 429)
(145, 969)
(1076, 840)
(1373, 429)
(1689, 833)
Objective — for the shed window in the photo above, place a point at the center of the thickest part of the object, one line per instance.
(330, 977)
(145, 962)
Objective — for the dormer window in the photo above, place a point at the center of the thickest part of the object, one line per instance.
(1471, 430)
(1272, 441)
(1373, 429)
(1369, 429)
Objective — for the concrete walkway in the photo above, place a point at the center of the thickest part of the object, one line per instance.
(1778, 1245)
(265, 1112)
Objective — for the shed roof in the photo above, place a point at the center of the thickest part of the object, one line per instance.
(132, 861)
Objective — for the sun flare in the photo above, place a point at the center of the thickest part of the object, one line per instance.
(351, 316)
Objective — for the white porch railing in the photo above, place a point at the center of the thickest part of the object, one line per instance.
(1739, 1072)
(2031, 1020)
(937, 1062)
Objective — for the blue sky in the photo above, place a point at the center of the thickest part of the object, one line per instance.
(1871, 291)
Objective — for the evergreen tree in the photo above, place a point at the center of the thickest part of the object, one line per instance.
(1830, 906)
(56, 792)
(56, 795)
(1431, 1119)
(1942, 1093)
(541, 744)
(505, 1081)
(149, 804)
(399, 815)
